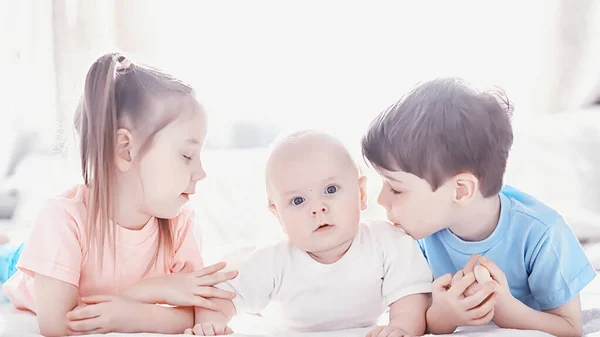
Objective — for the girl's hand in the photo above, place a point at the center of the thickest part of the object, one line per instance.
(194, 288)
(105, 313)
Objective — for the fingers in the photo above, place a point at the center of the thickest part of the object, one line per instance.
(85, 325)
(375, 332)
(216, 278)
(459, 288)
(495, 272)
(483, 320)
(188, 331)
(397, 333)
(197, 330)
(443, 282)
(470, 265)
(99, 331)
(228, 330)
(83, 312)
(477, 298)
(208, 329)
(202, 302)
(211, 269)
(187, 268)
(473, 288)
(96, 299)
(210, 292)
(459, 274)
(483, 309)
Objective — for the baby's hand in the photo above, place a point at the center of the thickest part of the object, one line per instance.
(209, 329)
(387, 331)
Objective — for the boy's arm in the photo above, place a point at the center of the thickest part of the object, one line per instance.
(511, 313)
(563, 321)
(408, 314)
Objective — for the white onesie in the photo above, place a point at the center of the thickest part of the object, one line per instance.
(295, 293)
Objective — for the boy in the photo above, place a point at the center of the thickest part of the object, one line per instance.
(442, 152)
(334, 272)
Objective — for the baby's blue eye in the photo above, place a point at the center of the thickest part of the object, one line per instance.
(331, 189)
(297, 201)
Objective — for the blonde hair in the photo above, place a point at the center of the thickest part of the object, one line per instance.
(119, 93)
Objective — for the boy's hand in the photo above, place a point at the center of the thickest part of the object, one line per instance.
(505, 299)
(482, 275)
(450, 304)
(387, 331)
(209, 329)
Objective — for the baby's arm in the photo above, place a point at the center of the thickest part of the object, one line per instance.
(213, 322)
(408, 314)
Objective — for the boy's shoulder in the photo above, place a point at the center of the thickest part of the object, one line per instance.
(528, 211)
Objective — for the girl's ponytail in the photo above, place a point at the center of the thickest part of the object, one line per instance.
(96, 122)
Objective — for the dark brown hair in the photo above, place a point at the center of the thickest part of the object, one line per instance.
(441, 128)
(118, 94)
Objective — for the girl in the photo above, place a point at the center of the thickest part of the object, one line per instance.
(126, 231)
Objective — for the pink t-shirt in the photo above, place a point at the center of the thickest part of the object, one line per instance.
(57, 248)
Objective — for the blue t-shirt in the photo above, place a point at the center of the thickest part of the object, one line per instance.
(541, 257)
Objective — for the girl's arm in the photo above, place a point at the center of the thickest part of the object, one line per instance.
(184, 289)
(54, 299)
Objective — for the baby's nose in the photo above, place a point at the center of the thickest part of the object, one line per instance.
(323, 210)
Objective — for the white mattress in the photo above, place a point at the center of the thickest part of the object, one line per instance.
(15, 323)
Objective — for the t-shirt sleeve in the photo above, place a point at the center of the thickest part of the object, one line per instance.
(256, 279)
(186, 247)
(405, 269)
(54, 247)
(558, 268)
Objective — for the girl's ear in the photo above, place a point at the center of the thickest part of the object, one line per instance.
(123, 150)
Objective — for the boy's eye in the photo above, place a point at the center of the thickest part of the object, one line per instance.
(394, 191)
(297, 201)
(187, 157)
(331, 189)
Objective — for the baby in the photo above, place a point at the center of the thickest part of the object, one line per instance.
(335, 271)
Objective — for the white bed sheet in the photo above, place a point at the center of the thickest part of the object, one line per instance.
(15, 323)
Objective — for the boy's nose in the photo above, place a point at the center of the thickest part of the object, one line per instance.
(381, 199)
(322, 210)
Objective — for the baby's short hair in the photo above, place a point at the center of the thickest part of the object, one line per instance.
(442, 128)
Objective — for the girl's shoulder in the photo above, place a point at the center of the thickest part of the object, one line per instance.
(69, 204)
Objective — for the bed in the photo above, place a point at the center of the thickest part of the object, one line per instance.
(16, 323)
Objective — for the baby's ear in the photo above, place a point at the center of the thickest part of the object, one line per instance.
(273, 209)
(362, 185)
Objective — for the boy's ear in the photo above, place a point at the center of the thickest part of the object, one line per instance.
(123, 150)
(466, 186)
(362, 185)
